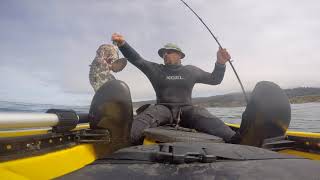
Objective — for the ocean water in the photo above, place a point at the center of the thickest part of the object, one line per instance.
(6, 106)
(305, 117)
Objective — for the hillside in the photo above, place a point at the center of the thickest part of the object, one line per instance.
(296, 95)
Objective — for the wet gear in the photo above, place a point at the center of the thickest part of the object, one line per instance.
(171, 46)
(173, 85)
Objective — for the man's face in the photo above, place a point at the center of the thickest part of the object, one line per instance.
(171, 57)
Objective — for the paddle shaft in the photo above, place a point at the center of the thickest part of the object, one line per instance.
(32, 120)
(215, 38)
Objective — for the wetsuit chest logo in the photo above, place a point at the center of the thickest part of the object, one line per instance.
(174, 77)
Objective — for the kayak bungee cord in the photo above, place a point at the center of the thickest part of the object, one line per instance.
(234, 70)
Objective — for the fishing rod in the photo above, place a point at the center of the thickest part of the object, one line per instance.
(214, 37)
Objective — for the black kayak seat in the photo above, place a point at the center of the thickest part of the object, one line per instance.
(166, 134)
(267, 115)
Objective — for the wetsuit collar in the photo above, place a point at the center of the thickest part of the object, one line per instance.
(173, 65)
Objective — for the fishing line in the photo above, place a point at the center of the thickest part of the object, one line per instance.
(214, 37)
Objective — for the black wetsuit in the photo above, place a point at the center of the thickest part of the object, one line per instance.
(173, 85)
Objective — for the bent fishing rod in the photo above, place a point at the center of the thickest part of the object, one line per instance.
(214, 37)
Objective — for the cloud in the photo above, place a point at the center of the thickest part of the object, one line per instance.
(47, 46)
(27, 87)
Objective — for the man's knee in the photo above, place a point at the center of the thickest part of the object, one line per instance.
(202, 120)
(152, 116)
(201, 115)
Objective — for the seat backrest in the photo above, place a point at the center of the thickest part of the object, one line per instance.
(267, 114)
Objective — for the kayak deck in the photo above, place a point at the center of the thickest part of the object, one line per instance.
(61, 162)
(197, 161)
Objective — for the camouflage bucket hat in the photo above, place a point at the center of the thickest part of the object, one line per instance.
(171, 46)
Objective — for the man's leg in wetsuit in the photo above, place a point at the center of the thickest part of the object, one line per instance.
(202, 120)
(153, 116)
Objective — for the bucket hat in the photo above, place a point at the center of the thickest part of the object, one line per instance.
(170, 46)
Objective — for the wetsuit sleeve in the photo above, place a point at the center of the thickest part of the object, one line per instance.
(135, 58)
(213, 78)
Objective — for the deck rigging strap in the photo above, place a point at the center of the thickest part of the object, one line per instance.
(234, 70)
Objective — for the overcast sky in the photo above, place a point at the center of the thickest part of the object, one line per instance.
(46, 46)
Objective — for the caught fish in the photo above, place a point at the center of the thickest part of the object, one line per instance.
(106, 60)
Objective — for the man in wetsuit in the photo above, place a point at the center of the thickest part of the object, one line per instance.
(173, 84)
